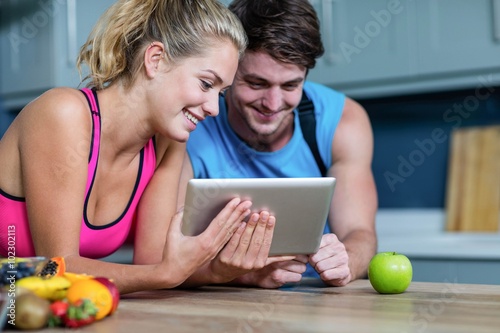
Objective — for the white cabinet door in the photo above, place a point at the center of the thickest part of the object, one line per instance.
(364, 41)
(458, 36)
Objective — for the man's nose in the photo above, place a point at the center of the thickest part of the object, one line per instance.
(272, 99)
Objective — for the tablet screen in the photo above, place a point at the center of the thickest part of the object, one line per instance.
(300, 205)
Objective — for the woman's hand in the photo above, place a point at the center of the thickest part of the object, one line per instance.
(248, 249)
(183, 255)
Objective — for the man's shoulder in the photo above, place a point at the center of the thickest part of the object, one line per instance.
(324, 97)
(319, 91)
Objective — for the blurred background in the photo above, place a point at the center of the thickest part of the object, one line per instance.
(426, 71)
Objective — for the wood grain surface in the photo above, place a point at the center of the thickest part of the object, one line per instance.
(473, 186)
(308, 307)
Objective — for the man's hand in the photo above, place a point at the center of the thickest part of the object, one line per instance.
(332, 261)
(276, 274)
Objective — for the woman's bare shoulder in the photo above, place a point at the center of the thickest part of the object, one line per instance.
(57, 106)
(60, 99)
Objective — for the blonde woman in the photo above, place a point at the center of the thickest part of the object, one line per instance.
(115, 151)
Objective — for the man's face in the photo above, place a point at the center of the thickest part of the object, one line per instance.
(262, 99)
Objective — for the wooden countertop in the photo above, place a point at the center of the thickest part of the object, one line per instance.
(308, 307)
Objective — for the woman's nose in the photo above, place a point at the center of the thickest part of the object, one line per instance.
(211, 107)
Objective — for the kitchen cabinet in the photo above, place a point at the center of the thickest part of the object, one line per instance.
(393, 47)
(458, 35)
(364, 41)
(39, 44)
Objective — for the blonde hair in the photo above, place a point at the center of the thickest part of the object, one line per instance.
(115, 46)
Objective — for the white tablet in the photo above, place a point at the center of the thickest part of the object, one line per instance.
(300, 205)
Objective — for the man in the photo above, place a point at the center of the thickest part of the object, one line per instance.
(257, 134)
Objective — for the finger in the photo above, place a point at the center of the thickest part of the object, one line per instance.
(258, 236)
(267, 239)
(271, 260)
(231, 246)
(227, 221)
(328, 239)
(302, 258)
(292, 266)
(336, 276)
(331, 249)
(247, 237)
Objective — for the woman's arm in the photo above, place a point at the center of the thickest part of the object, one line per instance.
(159, 203)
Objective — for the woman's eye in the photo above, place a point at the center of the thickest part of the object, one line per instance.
(206, 85)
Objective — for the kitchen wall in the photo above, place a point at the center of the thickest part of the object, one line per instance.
(410, 161)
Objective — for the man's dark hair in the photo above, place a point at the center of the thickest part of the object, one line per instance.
(288, 30)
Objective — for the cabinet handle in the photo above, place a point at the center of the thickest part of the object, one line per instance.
(71, 28)
(496, 19)
(327, 11)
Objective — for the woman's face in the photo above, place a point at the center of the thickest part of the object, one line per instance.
(189, 90)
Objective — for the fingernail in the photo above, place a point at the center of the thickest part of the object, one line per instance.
(264, 216)
(271, 221)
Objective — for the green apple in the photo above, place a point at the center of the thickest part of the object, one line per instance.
(390, 272)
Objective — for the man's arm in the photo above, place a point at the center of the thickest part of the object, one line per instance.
(352, 215)
(344, 254)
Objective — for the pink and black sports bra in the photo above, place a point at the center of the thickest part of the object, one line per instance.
(95, 241)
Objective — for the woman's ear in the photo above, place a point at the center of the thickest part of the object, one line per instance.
(155, 52)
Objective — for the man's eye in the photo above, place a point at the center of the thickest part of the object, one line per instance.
(290, 87)
(255, 85)
(206, 85)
